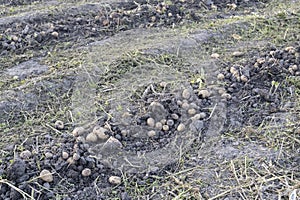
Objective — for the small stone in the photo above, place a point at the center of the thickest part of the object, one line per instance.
(163, 84)
(202, 115)
(260, 60)
(226, 96)
(151, 122)
(59, 125)
(170, 122)
(290, 49)
(65, 155)
(86, 172)
(174, 116)
(192, 111)
(291, 71)
(221, 91)
(234, 71)
(115, 180)
(91, 137)
(100, 132)
(71, 160)
(78, 131)
(236, 36)
(76, 156)
(185, 106)
(25, 154)
(124, 133)
(80, 139)
(294, 67)
(244, 78)
(204, 93)
(195, 117)
(181, 127)
(48, 155)
(54, 34)
(153, 19)
(186, 94)
(165, 127)
(75, 146)
(232, 6)
(272, 53)
(151, 133)
(163, 121)
(179, 102)
(15, 38)
(220, 77)
(215, 55)
(198, 116)
(46, 175)
(237, 53)
(158, 125)
(105, 22)
(43, 33)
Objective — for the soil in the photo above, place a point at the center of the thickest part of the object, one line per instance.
(149, 99)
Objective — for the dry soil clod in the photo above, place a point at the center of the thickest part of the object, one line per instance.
(158, 125)
(46, 175)
(204, 93)
(237, 53)
(65, 155)
(76, 156)
(181, 127)
(220, 77)
(192, 111)
(151, 133)
(174, 116)
(151, 122)
(165, 127)
(86, 172)
(100, 132)
(186, 94)
(115, 180)
(59, 125)
(54, 34)
(78, 131)
(91, 137)
(26, 154)
(215, 55)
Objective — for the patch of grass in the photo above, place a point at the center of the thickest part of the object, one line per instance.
(277, 24)
(54, 101)
(295, 82)
(171, 185)
(137, 58)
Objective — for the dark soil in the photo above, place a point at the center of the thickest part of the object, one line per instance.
(257, 88)
(266, 85)
(75, 26)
